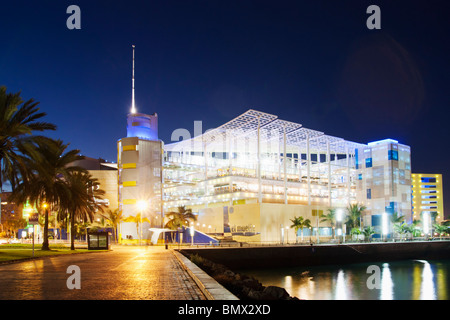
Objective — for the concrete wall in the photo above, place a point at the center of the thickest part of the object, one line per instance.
(292, 256)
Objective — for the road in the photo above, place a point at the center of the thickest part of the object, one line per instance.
(125, 273)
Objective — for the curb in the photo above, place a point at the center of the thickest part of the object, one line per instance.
(6, 262)
(209, 287)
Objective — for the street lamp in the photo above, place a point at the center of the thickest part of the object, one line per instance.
(426, 225)
(339, 217)
(192, 231)
(384, 225)
(142, 205)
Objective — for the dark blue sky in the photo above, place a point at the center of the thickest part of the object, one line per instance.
(312, 62)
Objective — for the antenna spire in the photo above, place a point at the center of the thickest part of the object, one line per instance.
(133, 105)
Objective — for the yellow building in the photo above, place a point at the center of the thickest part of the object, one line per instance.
(427, 196)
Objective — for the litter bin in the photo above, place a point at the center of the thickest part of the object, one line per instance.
(99, 241)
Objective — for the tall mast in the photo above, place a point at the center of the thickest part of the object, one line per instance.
(133, 105)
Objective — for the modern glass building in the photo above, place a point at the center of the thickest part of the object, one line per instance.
(250, 176)
(427, 196)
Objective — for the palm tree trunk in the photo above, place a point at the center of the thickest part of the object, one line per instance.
(45, 245)
(72, 231)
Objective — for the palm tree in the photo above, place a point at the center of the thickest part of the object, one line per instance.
(300, 223)
(412, 228)
(396, 218)
(80, 202)
(355, 232)
(45, 180)
(401, 228)
(114, 217)
(368, 232)
(440, 229)
(180, 218)
(331, 218)
(18, 121)
(14, 225)
(397, 222)
(355, 211)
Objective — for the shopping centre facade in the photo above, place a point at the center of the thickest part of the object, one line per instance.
(249, 177)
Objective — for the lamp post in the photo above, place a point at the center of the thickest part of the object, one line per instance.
(384, 226)
(287, 235)
(192, 231)
(142, 205)
(339, 223)
(426, 225)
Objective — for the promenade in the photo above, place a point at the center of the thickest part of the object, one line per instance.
(125, 273)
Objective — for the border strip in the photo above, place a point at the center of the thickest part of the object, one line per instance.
(210, 287)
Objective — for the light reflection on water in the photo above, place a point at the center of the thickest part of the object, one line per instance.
(400, 280)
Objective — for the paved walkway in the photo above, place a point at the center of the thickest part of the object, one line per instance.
(126, 273)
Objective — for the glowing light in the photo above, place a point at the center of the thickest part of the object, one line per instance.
(426, 226)
(427, 290)
(133, 106)
(142, 205)
(339, 215)
(385, 227)
(341, 293)
(387, 286)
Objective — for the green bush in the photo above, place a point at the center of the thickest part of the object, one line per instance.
(195, 258)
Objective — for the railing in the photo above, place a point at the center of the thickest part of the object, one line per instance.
(348, 243)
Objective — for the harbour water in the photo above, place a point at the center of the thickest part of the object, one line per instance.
(399, 280)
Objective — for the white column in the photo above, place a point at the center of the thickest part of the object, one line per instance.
(284, 165)
(348, 176)
(259, 162)
(205, 156)
(308, 168)
(300, 164)
(230, 167)
(329, 173)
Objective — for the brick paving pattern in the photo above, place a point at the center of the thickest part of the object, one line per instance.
(126, 273)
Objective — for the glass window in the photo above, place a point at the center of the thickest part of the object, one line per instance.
(393, 155)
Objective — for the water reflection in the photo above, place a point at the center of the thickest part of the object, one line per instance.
(427, 291)
(403, 280)
(341, 287)
(387, 286)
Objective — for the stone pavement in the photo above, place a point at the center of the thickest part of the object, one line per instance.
(125, 273)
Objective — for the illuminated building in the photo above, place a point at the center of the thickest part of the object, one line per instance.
(250, 176)
(427, 196)
(106, 175)
(139, 162)
(384, 180)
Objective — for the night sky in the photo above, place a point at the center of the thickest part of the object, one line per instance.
(311, 62)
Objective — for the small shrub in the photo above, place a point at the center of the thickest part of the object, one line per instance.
(195, 258)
